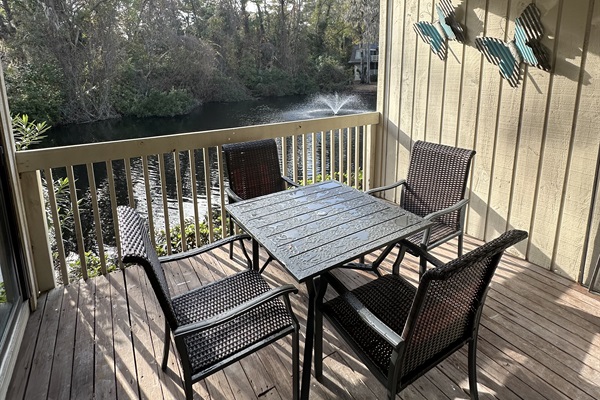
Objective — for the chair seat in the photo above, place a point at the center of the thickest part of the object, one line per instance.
(389, 298)
(210, 347)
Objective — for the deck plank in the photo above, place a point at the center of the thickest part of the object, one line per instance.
(82, 380)
(104, 360)
(44, 354)
(21, 373)
(60, 378)
(125, 372)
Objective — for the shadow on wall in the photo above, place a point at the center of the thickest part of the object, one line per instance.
(526, 247)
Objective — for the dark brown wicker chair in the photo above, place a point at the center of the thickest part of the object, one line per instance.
(401, 332)
(434, 189)
(253, 170)
(216, 324)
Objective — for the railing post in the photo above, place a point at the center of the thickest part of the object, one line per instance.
(369, 157)
(33, 198)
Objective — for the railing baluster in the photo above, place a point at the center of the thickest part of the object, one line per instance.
(323, 154)
(295, 158)
(57, 227)
(96, 212)
(163, 185)
(179, 185)
(349, 156)
(145, 167)
(357, 154)
(332, 154)
(313, 138)
(284, 156)
(207, 184)
(193, 182)
(224, 225)
(341, 153)
(127, 163)
(304, 159)
(77, 221)
(113, 205)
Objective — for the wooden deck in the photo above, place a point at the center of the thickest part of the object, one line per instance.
(540, 339)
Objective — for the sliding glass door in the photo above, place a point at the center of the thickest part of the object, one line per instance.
(11, 288)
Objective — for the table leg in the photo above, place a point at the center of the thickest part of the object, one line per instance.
(311, 286)
(255, 255)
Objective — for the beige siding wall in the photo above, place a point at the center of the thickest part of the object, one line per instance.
(537, 145)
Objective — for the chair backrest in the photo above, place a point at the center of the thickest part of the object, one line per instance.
(447, 306)
(253, 168)
(436, 179)
(136, 247)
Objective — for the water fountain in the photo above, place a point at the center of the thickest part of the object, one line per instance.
(326, 105)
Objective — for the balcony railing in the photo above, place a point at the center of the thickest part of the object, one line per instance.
(71, 193)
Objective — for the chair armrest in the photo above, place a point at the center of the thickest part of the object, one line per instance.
(436, 214)
(235, 312)
(375, 323)
(232, 196)
(447, 210)
(388, 187)
(203, 249)
(290, 182)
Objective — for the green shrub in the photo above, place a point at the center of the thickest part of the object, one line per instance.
(35, 90)
(27, 132)
(94, 267)
(189, 234)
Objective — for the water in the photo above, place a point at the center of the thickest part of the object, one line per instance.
(208, 117)
(213, 116)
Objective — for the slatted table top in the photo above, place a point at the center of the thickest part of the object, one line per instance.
(315, 228)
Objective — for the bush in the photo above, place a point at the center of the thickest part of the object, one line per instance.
(35, 90)
(273, 83)
(331, 76)
(189, 235)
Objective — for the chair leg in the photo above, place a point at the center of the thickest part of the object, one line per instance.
(396, 266)
(166, 346)
(189, 392)
(473, 369)
(318, 346)
(460, 245)
(422, 266)
(230, 244)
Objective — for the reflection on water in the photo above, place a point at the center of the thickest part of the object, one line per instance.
(207, 117)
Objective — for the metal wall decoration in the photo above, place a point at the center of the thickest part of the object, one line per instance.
(526, 47)
(445, 28)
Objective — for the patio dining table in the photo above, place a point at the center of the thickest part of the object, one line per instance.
(313, 229)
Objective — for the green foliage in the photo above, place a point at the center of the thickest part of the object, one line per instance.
(189, 234)
(35, 89)
(3, 298)
(157, 103)
(94, 266)
(331, 76)
(27, 132)
(228, 89)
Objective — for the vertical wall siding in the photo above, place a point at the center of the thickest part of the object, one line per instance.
(537, 145)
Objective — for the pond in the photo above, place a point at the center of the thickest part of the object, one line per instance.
(207, 117)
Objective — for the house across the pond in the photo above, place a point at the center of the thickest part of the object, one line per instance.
(364, 59)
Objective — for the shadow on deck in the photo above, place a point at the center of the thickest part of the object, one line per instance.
(102, 338)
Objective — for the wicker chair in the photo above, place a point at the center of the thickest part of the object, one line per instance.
(434, 189)
(216, 324)
(400, 332)
(253, 170)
